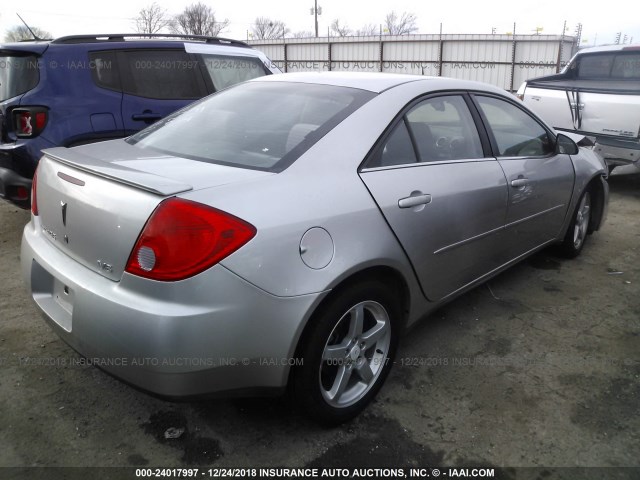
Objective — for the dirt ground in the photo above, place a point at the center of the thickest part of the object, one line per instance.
(539, 368)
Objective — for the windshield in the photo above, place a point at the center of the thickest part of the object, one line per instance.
(18, 74)
(258, 125)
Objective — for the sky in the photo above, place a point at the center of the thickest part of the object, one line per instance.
(461, 16)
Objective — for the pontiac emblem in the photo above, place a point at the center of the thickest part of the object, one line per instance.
(64, 213)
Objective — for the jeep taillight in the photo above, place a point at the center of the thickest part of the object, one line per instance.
(183, 238)
(28, 122)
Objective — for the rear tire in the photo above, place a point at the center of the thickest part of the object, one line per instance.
(578, 230)
(347, 352)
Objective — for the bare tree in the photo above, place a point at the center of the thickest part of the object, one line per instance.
(303, 34)
(152, 19)
(340, 30)
(20, 32)
(198, 19)
(367, 30)
(265, 28)
(403, 25)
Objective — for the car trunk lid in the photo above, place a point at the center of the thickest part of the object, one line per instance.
(93, 209)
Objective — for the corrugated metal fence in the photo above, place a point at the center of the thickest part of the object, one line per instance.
(502, 60)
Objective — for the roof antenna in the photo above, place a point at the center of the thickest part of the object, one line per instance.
(35, 37)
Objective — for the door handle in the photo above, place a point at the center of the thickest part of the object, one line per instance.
(520, 182)
(414, 201)
(146, 116)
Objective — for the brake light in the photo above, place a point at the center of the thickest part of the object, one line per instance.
(183, 238)
(34, 195)
(29, 121)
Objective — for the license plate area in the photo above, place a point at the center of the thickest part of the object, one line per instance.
(53, 296)
(63, 295)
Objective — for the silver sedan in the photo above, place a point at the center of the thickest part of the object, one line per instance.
(281, 234)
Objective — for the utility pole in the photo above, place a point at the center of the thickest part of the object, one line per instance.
(315, 11)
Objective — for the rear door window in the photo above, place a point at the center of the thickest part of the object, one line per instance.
(617, 66)
(18, 75)
(171, 74)
(161, 74)
(443, 129)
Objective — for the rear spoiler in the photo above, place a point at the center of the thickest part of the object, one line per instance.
(134, 178)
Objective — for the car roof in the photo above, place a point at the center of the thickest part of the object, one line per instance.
(609, 48)
(120, 39)
(377, 82)
(31, 46)
(129, 37)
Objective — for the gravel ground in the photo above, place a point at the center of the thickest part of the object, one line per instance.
(538, 368)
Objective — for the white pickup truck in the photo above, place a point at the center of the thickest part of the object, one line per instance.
(597, 95)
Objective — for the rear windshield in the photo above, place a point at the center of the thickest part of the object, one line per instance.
(616, 66)
(257, 125)
(18, 74)
(226, 70)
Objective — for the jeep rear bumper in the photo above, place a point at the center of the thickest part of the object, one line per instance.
(15, 188)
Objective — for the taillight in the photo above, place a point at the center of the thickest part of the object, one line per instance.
(34, 194)
(29, 121)
(183, 238)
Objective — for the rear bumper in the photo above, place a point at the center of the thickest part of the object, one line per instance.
(15, 188)
(18, 162)
(617, 152)
(211, 334)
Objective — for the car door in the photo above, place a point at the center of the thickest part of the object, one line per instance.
(442, 197)
(540, 181)
(156, 83)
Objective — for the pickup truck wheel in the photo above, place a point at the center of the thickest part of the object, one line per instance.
(347, 353)
(579, 228)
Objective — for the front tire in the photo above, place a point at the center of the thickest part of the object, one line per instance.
(578, 230)
(347, 352)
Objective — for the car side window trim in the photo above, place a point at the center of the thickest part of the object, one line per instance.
(485, 139)
(487, 127)
(401, 117)
(377, 151)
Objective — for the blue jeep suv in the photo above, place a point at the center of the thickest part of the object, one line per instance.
(81, 89)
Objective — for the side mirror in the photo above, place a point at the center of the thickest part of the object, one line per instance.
(565, 145)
